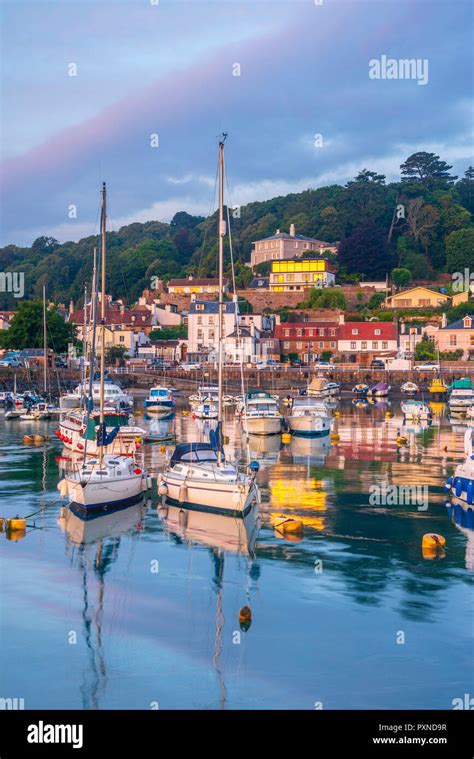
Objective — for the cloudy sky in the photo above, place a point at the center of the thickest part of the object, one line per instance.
(168, 68)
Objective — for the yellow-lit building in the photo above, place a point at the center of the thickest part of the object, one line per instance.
(195, 286)
(286, 276)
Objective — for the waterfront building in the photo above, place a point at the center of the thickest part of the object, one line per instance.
(361, 342)
(459, 335)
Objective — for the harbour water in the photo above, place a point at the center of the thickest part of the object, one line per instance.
(139, 610)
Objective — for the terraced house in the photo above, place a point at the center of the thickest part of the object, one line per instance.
(458, 335)
(307, 340)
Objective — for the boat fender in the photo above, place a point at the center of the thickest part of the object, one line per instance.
(149, 482)
(183, 493)
(160, 477)
(458, 486)
(63, 488)
(163, 488)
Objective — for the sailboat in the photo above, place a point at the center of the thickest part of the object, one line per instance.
(106, 482)
(198, 477)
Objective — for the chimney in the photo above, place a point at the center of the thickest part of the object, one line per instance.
(292, 230)
(341, 317)
(444, 321)
(71, 307)
(277, 232)
(190, 277)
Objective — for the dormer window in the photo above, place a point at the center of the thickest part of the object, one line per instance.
(199, 306)
(467, 322)
(355, 331)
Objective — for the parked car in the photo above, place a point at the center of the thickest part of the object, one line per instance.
(322, 365)
(60, 363)
(12, 363)
(190, 366)
(377, 363)
(427, 366)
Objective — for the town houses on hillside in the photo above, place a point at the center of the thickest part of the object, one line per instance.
(284, 245)
(125, 328)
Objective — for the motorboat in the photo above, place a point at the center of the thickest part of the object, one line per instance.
(380, 390)
(333, 388)
(259, 414)
(461, 395)
(159, 399)
(318, 387)
(309, 416)
(438, 389)
(361, 389)
(113, 396)
(410, 388)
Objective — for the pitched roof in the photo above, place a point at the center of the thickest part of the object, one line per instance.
(210, 307)
(134, 317)
(459, 323)
(241, 332)
(366, 331)
(418, 287)
(258, 283)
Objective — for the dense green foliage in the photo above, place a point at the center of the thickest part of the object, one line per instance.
(26, 329)
(169, 333)
(422, 223)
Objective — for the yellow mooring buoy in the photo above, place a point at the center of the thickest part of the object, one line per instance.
(286, 438)
(28, 439)
(334, 436)
(434, 541)
(245, 614)
(402, 440)
(288, 524)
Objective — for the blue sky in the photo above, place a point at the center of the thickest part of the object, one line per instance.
(167, 69)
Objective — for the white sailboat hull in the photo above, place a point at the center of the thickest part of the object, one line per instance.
(217, 497)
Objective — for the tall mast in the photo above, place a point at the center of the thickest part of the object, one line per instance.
(45, 347)
(84, 349)
(220, 322)
(102, 315)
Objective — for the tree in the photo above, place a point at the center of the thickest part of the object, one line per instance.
(401, 277)
(26, 329)
(460, 250)
(365, 251)
(169, 333)
(115, 353)
(421, 219)
(325, 297)
(425, 350)
(45, 245)
(426, 169)
(465, 189)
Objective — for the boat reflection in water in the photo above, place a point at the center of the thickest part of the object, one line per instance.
(222, 534)
(93, 547)
(315, 449)
(462, 516)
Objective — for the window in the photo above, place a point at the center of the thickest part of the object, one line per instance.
(364, 345)
(321, 345)
(333, 345)
(211, 319)
(453, 340)
(333, 332)
(375, 345)
(286, 345)
(403, 302)
(287, 333)
(299, 332)
(384, 345)
(122, 338)
(299, 345)
(199, 306)
(199, 319)
(200, 334)
(377, 332)
(353, 345)
(424, 302)
(355, 331)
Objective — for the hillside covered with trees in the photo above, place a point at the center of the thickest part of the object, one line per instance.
(422, 225)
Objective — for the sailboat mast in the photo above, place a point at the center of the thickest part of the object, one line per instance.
(45, 347)
(220, 322)
(102, 314)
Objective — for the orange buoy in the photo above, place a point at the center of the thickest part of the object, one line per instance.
(433, 541)
(245, 614)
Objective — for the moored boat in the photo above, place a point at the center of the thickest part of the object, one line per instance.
(438, 389)
(380, 390)
(361, 389)
(461, 395)
(259, 414)
(318, 387)
(461, 484)
(159, 399)
(410, 388)
(309, 416)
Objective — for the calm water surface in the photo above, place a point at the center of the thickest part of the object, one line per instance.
(138, 610)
